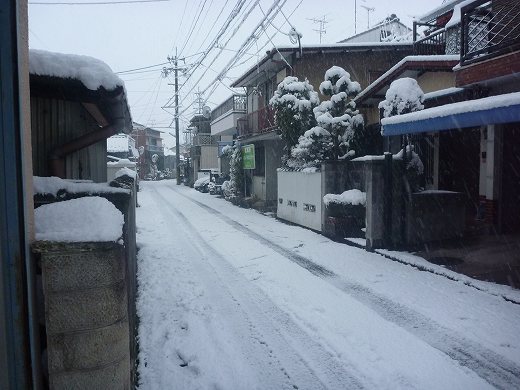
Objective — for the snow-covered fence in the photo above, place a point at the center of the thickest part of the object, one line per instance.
(300, 198)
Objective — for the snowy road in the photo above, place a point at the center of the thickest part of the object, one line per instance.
(232, 299)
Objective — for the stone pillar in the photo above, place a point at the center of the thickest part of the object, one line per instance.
(374, 185)
(86, 315)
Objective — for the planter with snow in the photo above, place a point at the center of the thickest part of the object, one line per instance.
(345, 213)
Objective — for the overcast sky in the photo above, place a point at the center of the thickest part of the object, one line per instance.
(130, 36)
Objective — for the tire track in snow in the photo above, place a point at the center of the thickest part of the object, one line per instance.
(332, 375)
(492, 367)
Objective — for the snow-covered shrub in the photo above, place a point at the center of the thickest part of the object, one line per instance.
(403, 96)
(338, 123)
(236, 173)
(313, 147)
(293, 102)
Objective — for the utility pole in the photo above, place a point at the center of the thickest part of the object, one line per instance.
(175, 69)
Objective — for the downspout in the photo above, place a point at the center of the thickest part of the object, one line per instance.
(57, 155)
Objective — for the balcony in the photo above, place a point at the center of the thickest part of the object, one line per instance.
(204, 140)
(260, 121)
(224, 118)
(154, 149)
(489, 29)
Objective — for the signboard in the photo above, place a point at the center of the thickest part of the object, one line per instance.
(248, 156)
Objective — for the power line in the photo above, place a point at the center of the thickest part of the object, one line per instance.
(144, 67)
(98, 2)
(193, 27)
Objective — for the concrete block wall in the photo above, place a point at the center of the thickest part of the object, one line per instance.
(86, 315)
(300, 198)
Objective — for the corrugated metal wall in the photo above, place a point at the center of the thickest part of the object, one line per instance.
(55, 122)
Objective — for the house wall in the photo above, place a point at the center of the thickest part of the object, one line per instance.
(208, 157)
(363, 66)
(273, 161)
(434, 81)
(55, 122)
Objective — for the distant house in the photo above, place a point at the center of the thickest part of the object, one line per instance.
(224, 124)
(204, 147)
(388, 30)
(364, 61)
(77, 102)
(148, 142)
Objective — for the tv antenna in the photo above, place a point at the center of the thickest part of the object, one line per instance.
(322, 22)
(369, 9)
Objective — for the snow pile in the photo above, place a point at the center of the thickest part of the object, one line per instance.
(79, 220)
(54, 185)
(93, 73)
(403, 96)
(126, 172)
(351, 197)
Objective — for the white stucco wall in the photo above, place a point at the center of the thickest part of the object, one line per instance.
(301, 198)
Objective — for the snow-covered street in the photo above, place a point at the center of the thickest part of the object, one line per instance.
(233, 299)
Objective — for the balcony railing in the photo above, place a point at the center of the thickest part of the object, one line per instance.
(259, 121)
(433, 44)
(205, 139)
(489, 29)
(236, 103)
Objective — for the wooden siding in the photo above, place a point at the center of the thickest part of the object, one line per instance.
(55, 122)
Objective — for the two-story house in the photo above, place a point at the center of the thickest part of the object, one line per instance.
(476, 124)
(224, 124)
(364, 61)
(203, 150)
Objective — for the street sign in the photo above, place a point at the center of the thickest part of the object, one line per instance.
(248, 156)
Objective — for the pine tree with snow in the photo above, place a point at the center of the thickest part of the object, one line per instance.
(236, 172)
(338, 116)
(293, 102)
(403, 97)
(313, 147)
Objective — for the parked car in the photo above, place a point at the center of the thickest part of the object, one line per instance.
(202, 184)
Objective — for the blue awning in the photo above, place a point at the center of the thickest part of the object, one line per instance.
(435, 119)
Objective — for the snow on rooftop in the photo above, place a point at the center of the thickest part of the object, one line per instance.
(117, 143)
(488, 103)
(456, 17)
(93, 73)
(407, 59)
(442, 92)
(438, 11)
(85, 219)
(52, 185)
